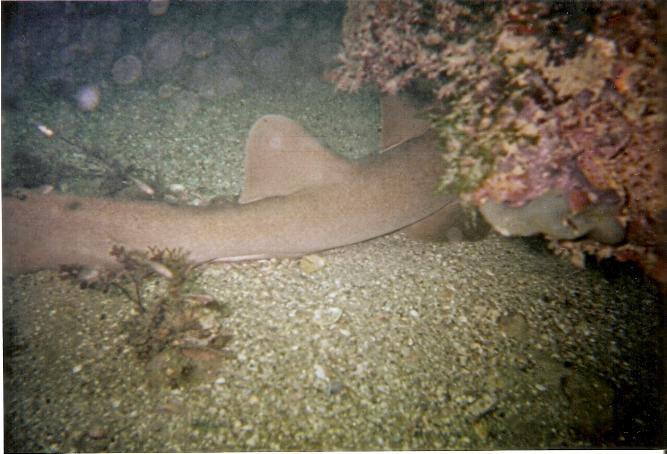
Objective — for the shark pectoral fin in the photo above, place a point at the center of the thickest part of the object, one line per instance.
(450, 223)
(282, 158)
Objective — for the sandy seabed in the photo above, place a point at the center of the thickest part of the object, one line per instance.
(491, 344)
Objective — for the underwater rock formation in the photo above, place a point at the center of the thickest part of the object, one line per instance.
(550, 114)
(550, 214)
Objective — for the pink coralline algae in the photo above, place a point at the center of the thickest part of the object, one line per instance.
(542, 107)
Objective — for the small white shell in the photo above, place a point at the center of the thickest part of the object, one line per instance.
(311, 263)
(176, 188)
(320, 374)
(328, 316)
(48, 132)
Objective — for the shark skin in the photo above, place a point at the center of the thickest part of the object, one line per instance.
(298, 198)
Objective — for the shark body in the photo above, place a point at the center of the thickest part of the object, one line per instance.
(297, 198)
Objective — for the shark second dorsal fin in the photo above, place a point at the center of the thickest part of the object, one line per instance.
(401, 119)
(282, 158)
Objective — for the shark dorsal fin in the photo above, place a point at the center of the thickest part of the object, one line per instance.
(282, 158)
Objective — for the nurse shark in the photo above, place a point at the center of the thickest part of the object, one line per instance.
(298, 198)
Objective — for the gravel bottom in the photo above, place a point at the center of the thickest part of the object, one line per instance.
(390, 344)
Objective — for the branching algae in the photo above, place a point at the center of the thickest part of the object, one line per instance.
(175, 329)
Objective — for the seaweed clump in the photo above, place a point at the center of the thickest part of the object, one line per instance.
(174, 328)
